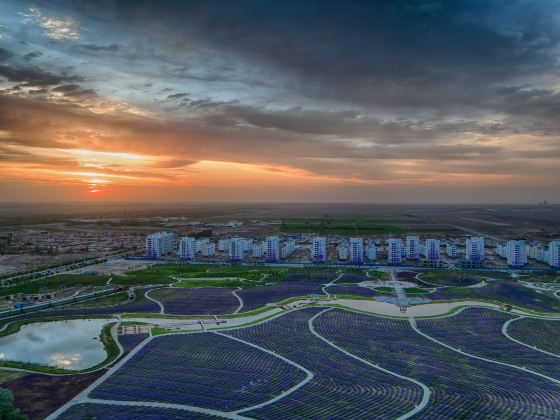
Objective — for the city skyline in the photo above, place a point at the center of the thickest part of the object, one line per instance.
(392, 102)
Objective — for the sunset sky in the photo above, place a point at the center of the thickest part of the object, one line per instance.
(385, 101)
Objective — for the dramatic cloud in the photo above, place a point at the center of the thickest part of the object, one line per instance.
(297, 96)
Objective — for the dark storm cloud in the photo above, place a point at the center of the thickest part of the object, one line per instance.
(30, 56)
(177, 95)
(75, 91)
(36, 76)
(102, 48)
(393, 53)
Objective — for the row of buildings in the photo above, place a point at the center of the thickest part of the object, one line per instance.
(354, 250)
(517, 253)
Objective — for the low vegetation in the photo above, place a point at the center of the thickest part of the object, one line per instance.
(55, 283)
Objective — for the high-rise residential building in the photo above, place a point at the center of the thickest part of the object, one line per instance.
(272, 248)
(432, 249)
(412, 247)
(394, 251)
(474, 249)
(451, 250)
(554, 254)
(247, 244)
(371, 250)
(319, 249)
(516, 256)
(208, 249)
(187, 248)
(501, 250)
(223, 244)
(236, 249)
(356, 250)
(258, 250)
(288, 248)
(158, 244)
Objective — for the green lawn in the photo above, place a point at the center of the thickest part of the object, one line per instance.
(212, 283)
(252, 273)
(55, 283)
(8, 375)
(113, 299)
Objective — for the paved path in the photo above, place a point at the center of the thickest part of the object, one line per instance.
(504, 332)
(234, 293)
(415, 328)
(309, 375)
(426, 391)
(191, 408)
(161, 307)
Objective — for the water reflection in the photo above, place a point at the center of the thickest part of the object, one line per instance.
(72, 344)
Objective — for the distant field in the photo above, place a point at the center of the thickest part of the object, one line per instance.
(341, 226)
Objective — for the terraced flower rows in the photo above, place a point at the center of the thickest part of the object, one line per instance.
(342, 387)
(130, 341)
(89, 411)
(540, 333)
(255, 297)
(507, 292)
(196, 301)
(478, 331)
(311, 277)
(350, 290)
(203, 369)
(462, 387)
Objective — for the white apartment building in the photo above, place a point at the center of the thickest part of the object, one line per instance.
(272, 248)
(412, 247)
(208, 249)
(247, 244)
(554, 254)
(343, 251)
(474, 249)
(319, 249)
(501, 250)
(432, 249)
(223, 244)
(356, 250)
(236, 249)
(451, 250)
(394, 251)
(158, 244)
(187, 248)
(516, 256)
(288, 248)
(258, 250)
(371, 250)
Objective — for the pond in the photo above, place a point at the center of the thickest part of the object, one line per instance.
(72, 344)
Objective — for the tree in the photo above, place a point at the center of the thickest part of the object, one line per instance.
(7, 409)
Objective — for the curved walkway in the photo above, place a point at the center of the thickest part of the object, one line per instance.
(161, 307)
(234, 293)
(505, 333)
(415, 328)
(426, 391)
(284, 393)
